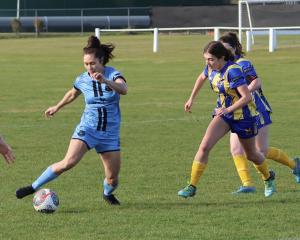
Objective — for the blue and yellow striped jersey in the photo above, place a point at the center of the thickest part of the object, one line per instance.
(225, 83)
(260, 100)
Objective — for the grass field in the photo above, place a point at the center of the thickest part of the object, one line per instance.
(159, 141)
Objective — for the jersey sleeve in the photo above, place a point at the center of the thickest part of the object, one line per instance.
(77, 84)
(116, 74)
(205, 71)
(236, 77)
(249, 71)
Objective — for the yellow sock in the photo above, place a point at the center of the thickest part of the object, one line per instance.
(263, 169)
(241, 164)
(280, 156)
(197, 170)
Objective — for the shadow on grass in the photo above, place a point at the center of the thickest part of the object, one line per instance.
(72, 211)
(186, 203)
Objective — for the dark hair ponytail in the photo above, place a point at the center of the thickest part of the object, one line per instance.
(217, 49)
(93, 42)
(101, 51)
(233, 40)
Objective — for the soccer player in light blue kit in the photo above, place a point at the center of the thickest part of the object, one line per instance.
(99, 127)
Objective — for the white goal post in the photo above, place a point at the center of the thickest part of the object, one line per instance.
(249, 14)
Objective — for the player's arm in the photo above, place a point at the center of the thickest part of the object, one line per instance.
(119, 85)
(254, 85)
(69, 97)
(245, 98)
(198, 85)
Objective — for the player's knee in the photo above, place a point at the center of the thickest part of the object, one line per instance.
(204, 148)
(236, 150)
(67, 164)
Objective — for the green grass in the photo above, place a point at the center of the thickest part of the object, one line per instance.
(158, 145)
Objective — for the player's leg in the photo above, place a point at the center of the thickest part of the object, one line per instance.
(76, 150)
(112, 164)
(215, 131)
(241, 164)
(260, 164)
(262, 140)
(276, 154)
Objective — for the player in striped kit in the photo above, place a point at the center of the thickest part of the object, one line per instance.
(235, 112)
(231, 42)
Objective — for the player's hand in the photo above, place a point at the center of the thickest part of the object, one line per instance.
(7, 153)
(9, 156)
(188, 106)
(51, 111)
(221, 111)
(98, 76)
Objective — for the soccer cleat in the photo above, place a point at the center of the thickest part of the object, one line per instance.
(270, 185)
(244, 189)
(24, 191)
(296, 171)
(188, 191)
(111, 199)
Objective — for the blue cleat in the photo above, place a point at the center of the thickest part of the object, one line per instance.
(296, 171)
(244, 189)
(270, 185)
(188, 191)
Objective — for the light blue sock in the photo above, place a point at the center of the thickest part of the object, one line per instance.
(46, 176)
(107, 188)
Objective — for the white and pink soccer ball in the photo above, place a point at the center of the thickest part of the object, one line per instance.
(45, 201)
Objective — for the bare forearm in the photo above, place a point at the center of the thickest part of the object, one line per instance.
(198, 85)
(68, 98)
(243, 101)
(119, 86)
(254, 85)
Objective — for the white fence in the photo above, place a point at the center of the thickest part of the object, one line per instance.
(250, 33)
(273, 33)
(157, 30)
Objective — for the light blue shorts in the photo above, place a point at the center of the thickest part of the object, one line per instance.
(101, 141)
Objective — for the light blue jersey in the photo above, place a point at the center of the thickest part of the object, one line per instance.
(100, 122)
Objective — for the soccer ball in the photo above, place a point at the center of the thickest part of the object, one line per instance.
(45, 201)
